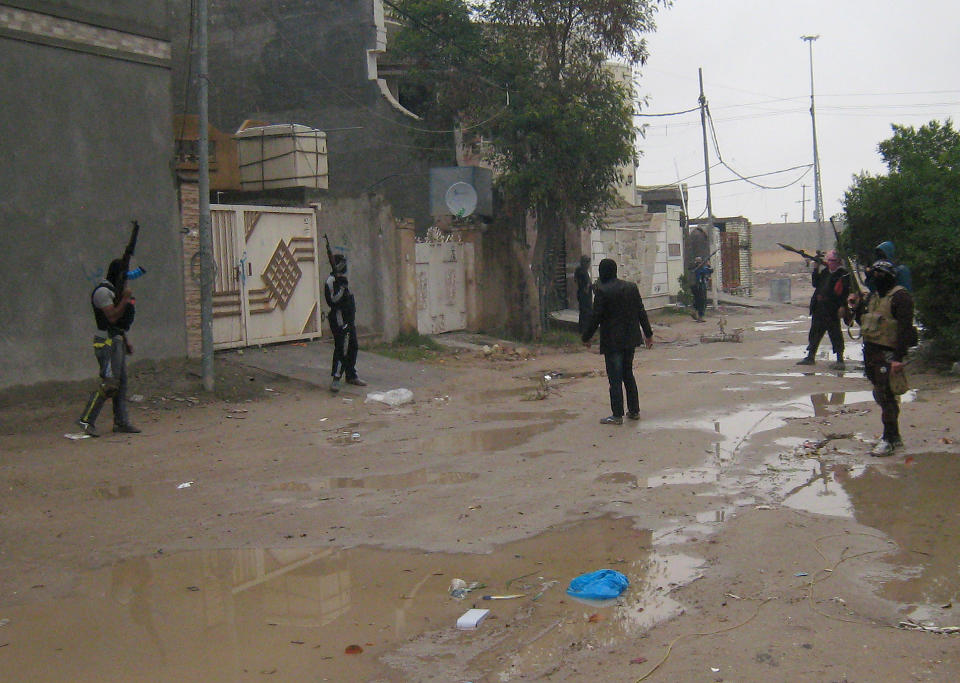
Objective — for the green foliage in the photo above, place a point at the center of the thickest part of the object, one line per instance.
(410, 347)
(916, 205)
(685, 295)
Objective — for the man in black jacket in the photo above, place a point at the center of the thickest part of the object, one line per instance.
(343, 312)
(831, 288)
(619, 313)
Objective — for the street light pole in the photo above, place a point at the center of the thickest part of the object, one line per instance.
(817, 188)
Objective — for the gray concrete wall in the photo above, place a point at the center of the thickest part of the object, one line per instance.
(87, 146)
(364, 230)
(304, 61)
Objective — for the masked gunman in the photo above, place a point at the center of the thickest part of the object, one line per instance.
(343, 313)
(886, 322)
(114, 310)
(619, 313)
(885, 251)
(584, 292)
(831, 287)
(701, 281)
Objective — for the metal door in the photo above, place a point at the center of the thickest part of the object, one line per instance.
(441, 287)
(268, 287)
(730, 258)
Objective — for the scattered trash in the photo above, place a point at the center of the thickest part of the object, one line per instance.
(348, 400)
(946, 440)
(185, 485)
(459, 588)
(949, 605)
(4, 622)
(394, 397)
(355, 436)
(735, 597)
(136, 398)
(763, 507)
(911, 625)
(236, 417)
(602, 584)
(441, 399)
(714, 669)
(270, 390)
(801, 574)
(77, 436)
(724, 336)
(504, 597)
(638, 660)
(594, 618)
(471, 619)
(352, 650)
(324, 419)
(838, 600)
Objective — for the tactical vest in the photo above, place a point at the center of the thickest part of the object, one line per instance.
(878, 324)
(123, 323)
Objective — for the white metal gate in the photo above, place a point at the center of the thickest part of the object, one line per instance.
(441, 286)
(267, 287)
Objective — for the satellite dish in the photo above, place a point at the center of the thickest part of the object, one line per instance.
(461, 199)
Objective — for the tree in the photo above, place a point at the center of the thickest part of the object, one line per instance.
(557, 146)
(916, 204)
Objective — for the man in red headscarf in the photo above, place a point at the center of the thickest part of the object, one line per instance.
(831, 287)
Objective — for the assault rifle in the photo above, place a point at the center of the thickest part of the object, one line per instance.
(127, 253)
(329, 251)
(816, 258)
(854, 277)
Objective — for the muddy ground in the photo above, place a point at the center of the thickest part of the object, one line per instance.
(277, 532)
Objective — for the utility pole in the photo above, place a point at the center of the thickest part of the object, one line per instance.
(711, 229)
(817, 188)
(784, 214)
(803, 205)
(203, 189)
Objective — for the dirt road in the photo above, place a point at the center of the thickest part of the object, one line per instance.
(287, 534)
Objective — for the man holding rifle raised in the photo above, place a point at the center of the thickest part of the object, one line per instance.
(113, 310)
(342, 317)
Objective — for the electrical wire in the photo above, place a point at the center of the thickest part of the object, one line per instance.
(672, 113)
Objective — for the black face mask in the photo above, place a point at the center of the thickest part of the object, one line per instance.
(884, 282)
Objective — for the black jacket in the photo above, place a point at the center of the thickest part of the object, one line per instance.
(619, 313)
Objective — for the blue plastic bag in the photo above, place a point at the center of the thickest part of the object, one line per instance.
(602, 584)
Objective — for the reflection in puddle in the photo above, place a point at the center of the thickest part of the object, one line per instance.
(825, 404)
(491, 440)
(910, 501)
(796, 352)
(229, 615)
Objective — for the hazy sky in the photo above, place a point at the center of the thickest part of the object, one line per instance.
(877, 62)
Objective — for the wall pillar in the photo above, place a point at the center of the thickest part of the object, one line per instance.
(407, 276)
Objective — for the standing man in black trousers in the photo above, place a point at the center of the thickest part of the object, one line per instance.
(343, 313)
(619, 313)
(584, 293)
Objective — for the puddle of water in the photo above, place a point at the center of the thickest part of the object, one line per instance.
(774, 325)
(402, 480)
(796, 352)
(113, 492)
(492, 440)
(825, 404)
(232, 615)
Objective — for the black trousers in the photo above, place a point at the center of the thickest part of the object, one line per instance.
(700, 299)
(345, 349)
(619, 364)
(824, 322)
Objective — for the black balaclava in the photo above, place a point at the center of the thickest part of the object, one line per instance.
(884, 276)
(608, 269)
(115, 272)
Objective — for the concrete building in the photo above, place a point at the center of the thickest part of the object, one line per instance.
(322, 65)
(88, 147)
(736, 251)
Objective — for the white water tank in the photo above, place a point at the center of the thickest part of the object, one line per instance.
(283, 155)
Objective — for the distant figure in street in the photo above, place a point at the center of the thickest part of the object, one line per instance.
(113, 317)
(584, 292)
(886, 322)
(343, 313)
(619, 313)
(885, 252)
(701, 281)
(831, 287)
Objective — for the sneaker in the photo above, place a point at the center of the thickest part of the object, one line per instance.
(88, 428)
(356, 381)
(633, 416)
(807, 361)
(335, 385)
(838, 365)
(126, 429)
(883, 449)
(612, 420)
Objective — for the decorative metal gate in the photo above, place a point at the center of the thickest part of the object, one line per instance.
(267, 287)
(441, 286)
